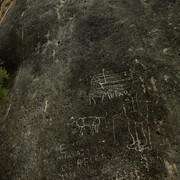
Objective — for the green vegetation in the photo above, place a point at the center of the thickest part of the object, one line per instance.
(3, 91)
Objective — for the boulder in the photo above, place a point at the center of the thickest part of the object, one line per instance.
(93, 90)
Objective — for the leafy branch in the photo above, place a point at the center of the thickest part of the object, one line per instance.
(3, 91)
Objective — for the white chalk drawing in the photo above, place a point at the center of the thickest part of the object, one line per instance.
(107, 85)
(139, 133)
(130, 175)
(22, 14)
(79, 163)
(131, 88)
(114, 119)
(61, 149)
(138, 63)
(137, 111)
(82, 162)
(83, 123)
(45, 107)
(114, 133)
(113, 85)
(58, 15)
(153, 82)
(7, 113)
(137, 145)
(48, 40)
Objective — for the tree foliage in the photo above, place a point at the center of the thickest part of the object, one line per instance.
(3, 91)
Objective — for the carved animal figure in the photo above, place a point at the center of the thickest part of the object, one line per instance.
(82, 123)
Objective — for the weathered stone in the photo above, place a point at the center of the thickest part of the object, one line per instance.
(95, 91)
(4, 5)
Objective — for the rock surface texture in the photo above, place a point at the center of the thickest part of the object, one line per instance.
(4, 5)
(94, 90)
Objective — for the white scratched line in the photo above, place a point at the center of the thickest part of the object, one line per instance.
(45, 107)
(8, 111)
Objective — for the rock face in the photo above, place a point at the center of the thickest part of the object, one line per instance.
(95, 91)
(4, 5)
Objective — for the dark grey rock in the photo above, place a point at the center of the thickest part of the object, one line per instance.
(94, 90)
